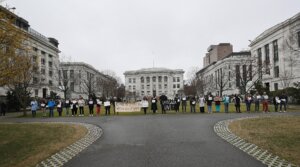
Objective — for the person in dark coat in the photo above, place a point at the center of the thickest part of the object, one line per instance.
(193, 104)
(177, 103)
(237, 103)
(283, 101)
(154, 104)
(183, 103)
(163, 99)
(3, 109)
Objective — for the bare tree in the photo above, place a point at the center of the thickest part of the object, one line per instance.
(191, 86)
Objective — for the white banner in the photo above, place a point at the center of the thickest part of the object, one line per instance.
(128, 107)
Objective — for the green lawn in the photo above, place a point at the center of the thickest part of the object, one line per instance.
(27, 144)
(279, 135)
(231, 110)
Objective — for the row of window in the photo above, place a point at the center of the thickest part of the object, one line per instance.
(266, 63)
(42, 52)
(154, 79)
(36, 81)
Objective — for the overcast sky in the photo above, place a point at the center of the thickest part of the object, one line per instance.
(130, 34)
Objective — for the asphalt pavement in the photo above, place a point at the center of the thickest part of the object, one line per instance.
(157, 141)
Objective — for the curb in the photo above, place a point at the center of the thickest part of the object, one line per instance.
(66, 154)
(267, 158)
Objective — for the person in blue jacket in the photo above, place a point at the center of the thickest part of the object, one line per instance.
(51, 105)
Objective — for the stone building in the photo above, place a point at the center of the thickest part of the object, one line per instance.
(227, 75)
(81, 79)
(278, 49)
(216, 53)
(153, 81)
(45, 55)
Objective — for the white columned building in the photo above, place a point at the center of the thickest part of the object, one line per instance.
(154, 81)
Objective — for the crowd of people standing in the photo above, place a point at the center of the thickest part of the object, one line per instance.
(73, 107)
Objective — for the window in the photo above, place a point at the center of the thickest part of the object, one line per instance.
(65, 74)
(35, 49)
(166, 86)
(142, 93)
(174, 86)
(129, 80)
(129, 87)
(159, 86)
(36, 92)
(174, 79)
(275, 51)
(50, 83)
(250, 72)
(153, 79)
(298, 34)
(142, 79)
(72, 74)
(50, 73)
(43, 53)
(267, 58)
(165, 79)
(237, 72)
(72, 86)
(178, 86)
(159, 79)
(35, 80)
(178, 79)
(154, 87)
(143, 86)
(50, 64)
(148, 79)
(133, 80)
(133, 87)
(79, 74)
(276, 71)
(43, 71)
(259, 63)
(275, 86)
(50, 56)
(148, 86)
(34, 59)
(244, 72)
(43, 62)
(229, 75)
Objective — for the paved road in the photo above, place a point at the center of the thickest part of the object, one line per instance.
(158, 141)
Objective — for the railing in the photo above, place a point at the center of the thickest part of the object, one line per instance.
(37, 34)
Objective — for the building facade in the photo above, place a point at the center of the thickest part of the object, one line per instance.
(81, 79)
(228, 75)
(278, 52)
(154, 82)
(45, 56)
(216, 53)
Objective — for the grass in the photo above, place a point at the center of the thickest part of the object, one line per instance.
(279, 135)
(292, 108)
(27, 144)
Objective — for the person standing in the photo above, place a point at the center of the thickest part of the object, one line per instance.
(209, 103)
(183, 103)
(276, 102)
(202, 104)
(107, 107)
(59, 107)
(51, 105)
(217, 100)
(248, 101)
(91, 107)
(67, 106)
(177, 103)
(193, 104)
(99, 103)
(154, 104)
(3, 109)
(163, 98)
(43, 107)
(81, 103)
(113, 103)
(226, 101)
(265, 101)
(257, 99)
(237, 103)
(74, 107)
(145, 104)
(283, 101)
(34, 107)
